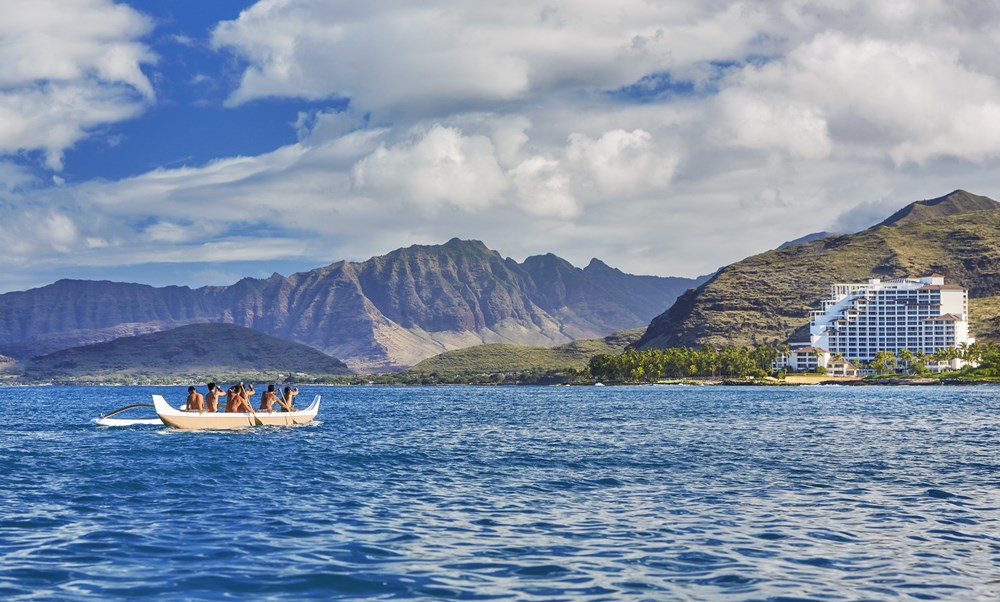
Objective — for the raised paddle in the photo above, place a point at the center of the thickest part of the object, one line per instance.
(246, 400)
(287, 406)
(284, 404)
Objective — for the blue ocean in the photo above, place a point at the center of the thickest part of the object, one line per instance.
(601, 493)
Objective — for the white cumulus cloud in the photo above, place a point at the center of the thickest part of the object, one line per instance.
(441, 166)
(434, 57)
(543, 188)
(622, 163)
(67, 66)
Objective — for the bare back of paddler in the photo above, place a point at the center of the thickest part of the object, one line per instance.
(195, 401)
(212, 399)
(268, 398)
(290, 395)
(232, 396)
(241, 398)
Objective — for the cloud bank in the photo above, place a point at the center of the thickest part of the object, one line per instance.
(666, 138)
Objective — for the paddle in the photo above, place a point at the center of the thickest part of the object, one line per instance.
(287, 406)
(284, 404)
(246, 401)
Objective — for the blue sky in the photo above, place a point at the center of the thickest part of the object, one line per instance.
(188, 124)
(196, 143)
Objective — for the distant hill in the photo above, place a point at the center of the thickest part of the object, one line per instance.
(386, 313)
(199, 349)
(500, 357)
(766, 298)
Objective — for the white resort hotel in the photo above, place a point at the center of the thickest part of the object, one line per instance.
(859, 320)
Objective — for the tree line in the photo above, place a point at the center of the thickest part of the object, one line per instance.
(652, 365)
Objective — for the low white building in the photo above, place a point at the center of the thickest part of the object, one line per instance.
(807, 359)
(842, 367)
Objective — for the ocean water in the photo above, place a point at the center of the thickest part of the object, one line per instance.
(658, 493)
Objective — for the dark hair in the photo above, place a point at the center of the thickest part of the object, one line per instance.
(270, 387)
(288, 389)
(190, 389)
(211, 386)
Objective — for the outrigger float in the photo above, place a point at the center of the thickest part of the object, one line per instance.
(180, 419)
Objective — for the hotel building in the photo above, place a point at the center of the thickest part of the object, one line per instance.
(859, 320)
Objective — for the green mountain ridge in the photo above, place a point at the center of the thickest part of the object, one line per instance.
(766, 298)
(207, 350)
(502, 357)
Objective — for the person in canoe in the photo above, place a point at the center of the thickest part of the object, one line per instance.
(286, 401)
(268, 398)
(231, 394)
(195, 401)
(240, 399)
(212, 399)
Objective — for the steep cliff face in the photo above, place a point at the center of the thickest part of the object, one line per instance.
(766, 298)
(385, 313)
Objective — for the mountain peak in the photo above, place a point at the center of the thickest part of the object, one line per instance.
(953, 203)
(458, 243)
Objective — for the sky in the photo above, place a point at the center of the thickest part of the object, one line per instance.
(196, 143)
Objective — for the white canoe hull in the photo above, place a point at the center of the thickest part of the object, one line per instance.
(175, 418)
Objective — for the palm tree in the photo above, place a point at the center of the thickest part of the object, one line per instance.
(883, 362)
(905, 357)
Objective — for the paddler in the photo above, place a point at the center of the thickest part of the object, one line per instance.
(212, 399)
(195, 401)
(268, 398)
(286, 401)
(240, 398)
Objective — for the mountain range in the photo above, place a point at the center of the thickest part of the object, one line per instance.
(766, 298)
(386, 313)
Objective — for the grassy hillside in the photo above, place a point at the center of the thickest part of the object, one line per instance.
(207, 350)
(499, 357)
(767, 297)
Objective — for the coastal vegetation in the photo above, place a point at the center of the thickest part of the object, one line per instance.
(721, 362)
(654, 365)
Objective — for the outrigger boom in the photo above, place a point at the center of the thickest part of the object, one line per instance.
(107, 420)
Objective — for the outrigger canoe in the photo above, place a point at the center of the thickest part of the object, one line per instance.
(180, 419)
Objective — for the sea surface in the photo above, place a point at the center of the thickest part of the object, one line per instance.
(573, 493)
